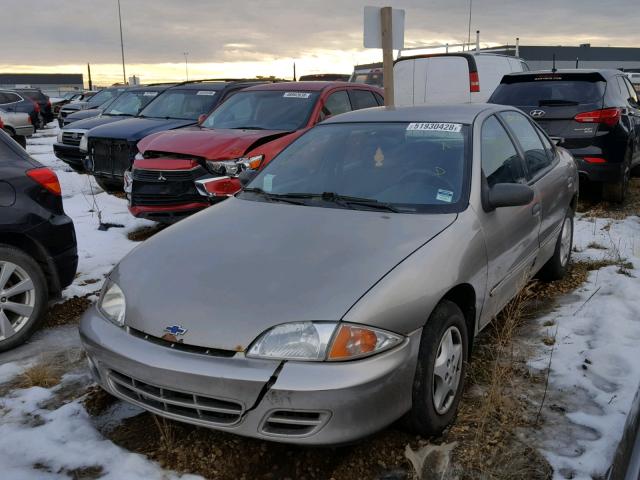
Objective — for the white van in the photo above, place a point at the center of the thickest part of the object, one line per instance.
(450, 77)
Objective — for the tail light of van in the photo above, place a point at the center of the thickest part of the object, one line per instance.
(46, 178)
(474, 82)
(606, 116)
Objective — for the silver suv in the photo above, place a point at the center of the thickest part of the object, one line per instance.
(17, 125)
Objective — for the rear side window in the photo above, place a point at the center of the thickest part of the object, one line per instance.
(548, 92)
(336, 103)
(500, 160)
(8, 97)
(534, 153)
(362, 99)
(632, 92)
(379, 98)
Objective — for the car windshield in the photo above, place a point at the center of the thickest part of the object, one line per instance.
(264, 110)
(182, 104)
(102, 97)
(130, 103)
(403, 167)
(560, 92)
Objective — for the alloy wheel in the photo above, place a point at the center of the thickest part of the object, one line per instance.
(17, 299)
(447, 370)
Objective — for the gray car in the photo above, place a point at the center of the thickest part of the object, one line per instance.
(18, 125)
(343, 287)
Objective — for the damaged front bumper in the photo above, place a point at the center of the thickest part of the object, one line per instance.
(294, 402)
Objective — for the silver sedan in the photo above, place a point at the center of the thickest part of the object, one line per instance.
(343, 287)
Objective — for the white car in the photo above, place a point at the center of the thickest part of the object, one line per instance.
(451, 77)
(17, 125)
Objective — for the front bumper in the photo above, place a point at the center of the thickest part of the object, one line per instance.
(70, 154)
(293, 402)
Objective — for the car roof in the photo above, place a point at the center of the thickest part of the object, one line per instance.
(461, 113)
(309, 86)
(565, 71)
(145, 88)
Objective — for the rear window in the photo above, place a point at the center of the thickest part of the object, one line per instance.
(549, 90)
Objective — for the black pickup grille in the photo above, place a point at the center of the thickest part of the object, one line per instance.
(188, 406)
(111, 157)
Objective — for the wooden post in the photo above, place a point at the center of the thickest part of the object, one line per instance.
(387, 54)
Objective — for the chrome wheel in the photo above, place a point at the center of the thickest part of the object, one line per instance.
(17, 299)
(447, 370)
(566, 236)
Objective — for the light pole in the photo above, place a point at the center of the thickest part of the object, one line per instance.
(186, 64)
(124, 74)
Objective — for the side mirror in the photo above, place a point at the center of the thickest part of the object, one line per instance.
(509, 195)
(557, 141)
(246, 176)
(202, 118)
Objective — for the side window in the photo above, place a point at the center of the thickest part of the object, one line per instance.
(13, 97)
(548, 146)
(622, 88)
(632, 91)
(362, 99)
(3, 98)
(336, 103)
(379, 98)
(500, 160)
(535, 155)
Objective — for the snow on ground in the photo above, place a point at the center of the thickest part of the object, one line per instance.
(595, 368)
(98, 250)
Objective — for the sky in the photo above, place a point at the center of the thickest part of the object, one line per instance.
(245, 38)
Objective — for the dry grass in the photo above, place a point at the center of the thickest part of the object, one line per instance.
(592, 206)
(43, 374)
(143, 233)
(596, 246)
(168, 434)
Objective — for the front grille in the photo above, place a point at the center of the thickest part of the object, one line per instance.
(188, 406)
(294, 422)
(212, 352)
(71, 138)
(166, 187)
(112, 156)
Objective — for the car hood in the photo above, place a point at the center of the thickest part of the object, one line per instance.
(73, 106)
(82, 114)
(215, 144)
(96, 121)
(133, 129)
(240, 267)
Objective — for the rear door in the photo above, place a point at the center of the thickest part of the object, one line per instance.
(554, 99)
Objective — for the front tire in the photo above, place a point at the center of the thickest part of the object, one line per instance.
(556, 266)
(23, 296)
(439, 378)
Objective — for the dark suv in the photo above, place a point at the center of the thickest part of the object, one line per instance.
(38, 253)
(41, 99)
(595, 114)
(112, 148)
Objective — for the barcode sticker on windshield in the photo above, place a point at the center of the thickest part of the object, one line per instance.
(435, 127)
(296, 95)
(150, 94)
(206, 92)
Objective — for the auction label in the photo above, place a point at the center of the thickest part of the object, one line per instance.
(206, 92)
(150, 94)
(296, 95)
(435, 127)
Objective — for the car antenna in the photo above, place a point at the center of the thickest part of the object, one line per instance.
(553, 68)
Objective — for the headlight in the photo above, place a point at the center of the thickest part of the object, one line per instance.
(235, 166)
(59, 138)
(112, 303)
(322, 341)
(84, 143)
(138, 156)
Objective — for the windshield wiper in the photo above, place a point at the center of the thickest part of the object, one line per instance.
(120, 114)
(275, 196)
(357, 201)
(560, 103)
(248, 128)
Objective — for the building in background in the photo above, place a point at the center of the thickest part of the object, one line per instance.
(585, 56)
(52, 84)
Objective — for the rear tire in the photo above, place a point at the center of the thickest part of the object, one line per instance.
(617, 192)
(556, 266)
(21, 312)
(439, 377)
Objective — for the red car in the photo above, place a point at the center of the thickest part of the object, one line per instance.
(247, 130)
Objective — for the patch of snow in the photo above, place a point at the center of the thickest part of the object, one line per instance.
(595, 368)
(98, 251)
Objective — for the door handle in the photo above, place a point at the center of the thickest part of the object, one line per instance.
(535, 210)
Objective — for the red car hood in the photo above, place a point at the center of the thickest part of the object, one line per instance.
(211, 144)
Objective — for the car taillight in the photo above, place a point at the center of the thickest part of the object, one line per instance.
(474, 82)
(46, 178)
(36, 106)
(1, 124)
(607, 116)
(49, 103)
(594, 159)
